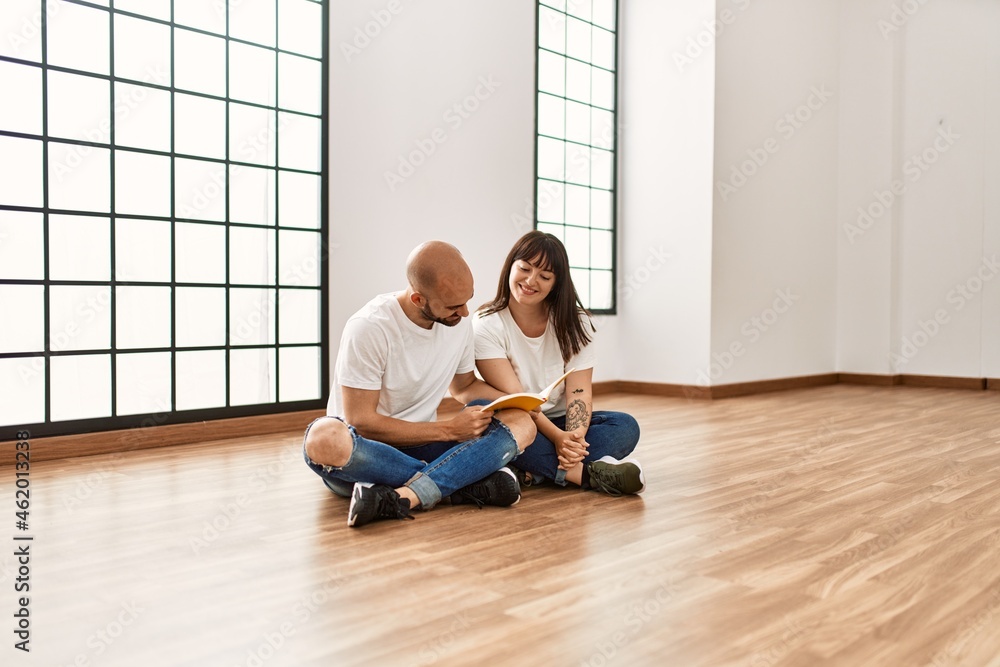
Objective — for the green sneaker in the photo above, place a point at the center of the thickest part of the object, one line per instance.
(616, 478)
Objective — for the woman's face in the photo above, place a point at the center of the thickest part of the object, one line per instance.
(530, 283)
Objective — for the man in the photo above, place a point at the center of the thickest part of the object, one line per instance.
(398, 355)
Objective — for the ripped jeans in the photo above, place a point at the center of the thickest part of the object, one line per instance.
(432, 471)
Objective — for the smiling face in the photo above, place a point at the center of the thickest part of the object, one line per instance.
(531, 281)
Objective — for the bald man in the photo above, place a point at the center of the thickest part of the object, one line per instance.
(381, 444)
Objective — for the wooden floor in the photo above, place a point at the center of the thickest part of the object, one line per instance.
(832, 526)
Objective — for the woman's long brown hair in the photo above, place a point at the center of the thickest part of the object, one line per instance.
(563, 302)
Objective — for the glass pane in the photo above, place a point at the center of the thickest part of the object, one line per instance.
(298, 204)
(68, 235)
(25, 305)
(298, 30)
(580, 8)
(549, 199)
(550, 159)
(142, 117)
(578, 122)
(300, 139)
(142, 183)
(200, 188)
(21, 246)
(602, 168)
(21, 25)
(22, 390)
(603, 91)
(79, 317)
(199, 62)
(251, 195)
(142, 50)
(299, 84)
(577, 164)
(201, 316)
(601, 250)
(20, 172)
(578, 205)
(299, 374)
(156, 8)
(199, 126)
(251, 135)
(26, 84)
(298, 316)
(201, 379)
(602, 128)
(142, 250)
(601, 209)
(251, 256)
(251, 316)
(210, 16)
(201, 253)
(551, 73)
(578, 81)
(298, 258)
(578, 246)
(551, 115)
(604, 13)
(252, 376)
(604, 49)
(578, 39)
(253, 21)
(79, 107)
(143, 383)
(601, 290)
(142, 317)
(551, 29)
(558, 231)
(72, 39)
(251, 73)
(81, 387)
(581, 280)
(79, 177)
(557, 4)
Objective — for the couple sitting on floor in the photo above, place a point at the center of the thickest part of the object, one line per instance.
(382, 445)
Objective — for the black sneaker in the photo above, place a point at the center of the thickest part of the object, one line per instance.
(616, 478)
(371, 502)
(499, 489)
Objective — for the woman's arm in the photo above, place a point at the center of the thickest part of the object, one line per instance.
(579, 401)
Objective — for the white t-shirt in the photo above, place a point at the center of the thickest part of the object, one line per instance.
(537, 361)
(381, 348)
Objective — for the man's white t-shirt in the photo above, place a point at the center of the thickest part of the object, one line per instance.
(381, 348)
(538, 361)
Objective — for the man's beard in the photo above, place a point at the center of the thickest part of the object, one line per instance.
(426, 313)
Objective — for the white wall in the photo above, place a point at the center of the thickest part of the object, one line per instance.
(774, 228)
(399, 90)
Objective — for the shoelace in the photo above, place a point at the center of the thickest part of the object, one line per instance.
(389, 506)
(597, 481)
(473, 494)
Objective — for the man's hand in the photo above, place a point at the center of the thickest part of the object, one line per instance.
(468, 424)
(570, 449)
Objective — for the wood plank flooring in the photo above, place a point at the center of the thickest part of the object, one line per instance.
(840, 525)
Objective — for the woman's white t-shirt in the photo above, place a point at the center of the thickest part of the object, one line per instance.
(537, 361)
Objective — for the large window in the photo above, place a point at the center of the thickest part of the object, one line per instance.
(162, 211)
(576, 139)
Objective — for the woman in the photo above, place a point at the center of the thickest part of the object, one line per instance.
(531, 333)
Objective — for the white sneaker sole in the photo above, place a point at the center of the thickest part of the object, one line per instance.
(355, 496)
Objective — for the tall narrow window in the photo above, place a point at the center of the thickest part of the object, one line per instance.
(576, 139)
(162, 211)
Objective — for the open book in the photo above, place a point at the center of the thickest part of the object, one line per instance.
(525, 401)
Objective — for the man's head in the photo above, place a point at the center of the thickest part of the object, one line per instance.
(440, 284)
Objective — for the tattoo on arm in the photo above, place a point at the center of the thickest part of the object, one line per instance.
(577, 415)
(578, 391)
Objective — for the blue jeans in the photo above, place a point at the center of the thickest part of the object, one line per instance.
(613, 434)
(452, 465)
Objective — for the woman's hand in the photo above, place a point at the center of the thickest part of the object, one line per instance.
(571, 448)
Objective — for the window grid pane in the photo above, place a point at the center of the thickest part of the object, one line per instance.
(162, 193)
(575, 184)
